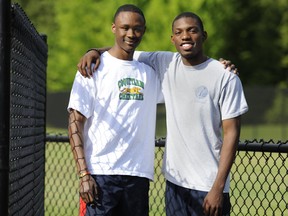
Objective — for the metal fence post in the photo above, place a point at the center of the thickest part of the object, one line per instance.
(5, 11)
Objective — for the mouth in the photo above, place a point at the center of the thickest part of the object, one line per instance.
(131, 42)
(188, 46)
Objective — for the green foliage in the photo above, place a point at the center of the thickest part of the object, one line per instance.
(41, 14)
(78, 30)
(253, 34)
(252, 39)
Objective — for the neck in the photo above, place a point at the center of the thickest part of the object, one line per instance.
(192, 61)
(121, 54)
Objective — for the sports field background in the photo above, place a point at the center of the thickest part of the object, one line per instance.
(248, 166)
(258, 183)
(61, 182)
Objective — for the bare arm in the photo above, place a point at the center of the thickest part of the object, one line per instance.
(214, 200)
(88, 188)
(91, 56)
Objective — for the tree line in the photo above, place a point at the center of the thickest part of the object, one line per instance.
(252, 34)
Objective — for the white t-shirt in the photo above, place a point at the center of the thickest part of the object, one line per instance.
(197, 99)
(119, 103)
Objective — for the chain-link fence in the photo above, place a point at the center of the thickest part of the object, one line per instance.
(259, 179)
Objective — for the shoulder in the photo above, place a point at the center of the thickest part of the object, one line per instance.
(217, 67)
(143, 66)
(217, 72)
(147, 71)
(215, 63)
(81, 84)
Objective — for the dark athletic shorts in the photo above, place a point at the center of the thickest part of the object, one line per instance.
(119, 195)
(181, 201)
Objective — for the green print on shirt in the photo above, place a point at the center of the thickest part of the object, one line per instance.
(131, 89)
(129, 82)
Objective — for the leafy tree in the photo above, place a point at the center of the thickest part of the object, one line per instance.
(41, 14)
(78, 30)
(253, 34)
(159, 15)
(252, 38)
(283, 28)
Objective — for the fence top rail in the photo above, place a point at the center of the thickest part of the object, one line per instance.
(263, 146)
(260, 146)
(56, 138)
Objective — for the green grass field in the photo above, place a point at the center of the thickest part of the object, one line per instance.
(61, 183)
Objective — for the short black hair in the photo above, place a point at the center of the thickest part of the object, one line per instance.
(129, 8)
(191, 15)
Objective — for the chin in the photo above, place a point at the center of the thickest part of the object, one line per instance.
(187, 55)
(130, 50)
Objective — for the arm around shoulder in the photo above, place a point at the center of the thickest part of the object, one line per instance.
(91, 56)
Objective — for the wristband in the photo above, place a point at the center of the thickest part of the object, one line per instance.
(84, 174)
(94, 50)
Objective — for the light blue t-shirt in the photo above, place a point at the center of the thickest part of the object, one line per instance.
(197, 100)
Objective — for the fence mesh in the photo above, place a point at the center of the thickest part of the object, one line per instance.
(27, 117)
(259, 183)
(259, 179)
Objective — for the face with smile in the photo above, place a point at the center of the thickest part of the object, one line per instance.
(188, 38)
(129, 27)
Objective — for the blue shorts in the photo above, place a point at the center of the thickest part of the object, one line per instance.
(182, 201)
(119, 195)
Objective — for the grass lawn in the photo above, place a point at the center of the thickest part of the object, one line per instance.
(265, 132)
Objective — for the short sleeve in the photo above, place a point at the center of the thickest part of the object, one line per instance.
(232, 100)
(82, 95)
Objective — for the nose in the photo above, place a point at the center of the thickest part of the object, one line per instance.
(130, 33)
(185, 35)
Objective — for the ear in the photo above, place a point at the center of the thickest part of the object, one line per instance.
(113, 28)
(172, 39)
(204, 36)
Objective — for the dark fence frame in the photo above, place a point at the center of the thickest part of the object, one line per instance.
(23, 63)
(4, 102)
(247, 151)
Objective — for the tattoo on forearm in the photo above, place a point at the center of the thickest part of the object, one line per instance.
(76, 142)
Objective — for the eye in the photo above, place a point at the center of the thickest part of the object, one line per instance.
(177, 32)
(194, 30)
(138, 29)
(125, 28)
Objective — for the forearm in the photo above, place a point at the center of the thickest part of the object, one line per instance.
(75, 128)
(231, 130)
(99, 50)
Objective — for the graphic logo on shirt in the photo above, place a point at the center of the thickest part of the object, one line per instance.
(131, 89)
(201, 92)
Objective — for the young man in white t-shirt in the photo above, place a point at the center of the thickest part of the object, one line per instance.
(202, 101)
(112, 120)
